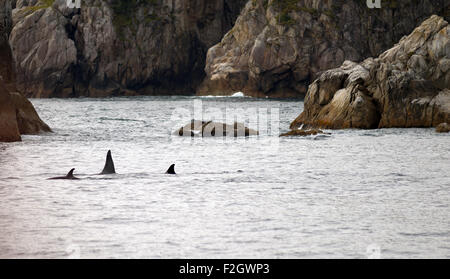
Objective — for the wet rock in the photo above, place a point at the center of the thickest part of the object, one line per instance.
(443, 128)
(406, 86)
(278, 47)
(215, 129)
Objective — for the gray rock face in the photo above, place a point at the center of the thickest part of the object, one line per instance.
(278, 47)
(406, 86)
(116, 47)
(9, 130)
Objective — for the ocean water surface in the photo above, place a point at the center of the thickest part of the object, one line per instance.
(353, 194)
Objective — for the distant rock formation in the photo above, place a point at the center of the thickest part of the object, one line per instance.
(303, 133)
(116, 47)
(17, 114)
(9, 129)
(199, 128)
(278, 47)
(443, 128)
(406, 86)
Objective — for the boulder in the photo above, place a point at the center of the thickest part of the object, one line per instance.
(406, 86)
(215, 129)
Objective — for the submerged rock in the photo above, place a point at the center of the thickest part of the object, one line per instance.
(116, 47)
(443, 128)
(406, 86)
(215, 129)
(303, 133)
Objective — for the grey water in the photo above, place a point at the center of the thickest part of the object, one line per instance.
(353, 194)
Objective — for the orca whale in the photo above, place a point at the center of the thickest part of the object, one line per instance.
(69, 176)
(171, 169)
(109, 165)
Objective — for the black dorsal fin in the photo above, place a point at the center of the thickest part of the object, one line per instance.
(70, 174)
(171, 169)
(109, 164)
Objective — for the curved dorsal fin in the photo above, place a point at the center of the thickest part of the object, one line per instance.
(70, 174)
(171, 169)
(109, 164)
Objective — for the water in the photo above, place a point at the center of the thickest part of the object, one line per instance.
(355, 194)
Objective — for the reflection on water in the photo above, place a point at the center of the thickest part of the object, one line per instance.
(382, 193)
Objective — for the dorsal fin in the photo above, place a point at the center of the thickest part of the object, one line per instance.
(70, 174)
(171, 169)
(109, 164)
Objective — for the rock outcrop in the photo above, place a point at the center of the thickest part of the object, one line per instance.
(406, 86)
(199, 128)
(116, 47)
(17, 114)
(9, 129)
(443, 128)
(278, 47)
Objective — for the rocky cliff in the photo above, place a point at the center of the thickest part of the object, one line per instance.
(406, 86)
(116, 47)
(17, 114)
(6, 62)
(278, 47)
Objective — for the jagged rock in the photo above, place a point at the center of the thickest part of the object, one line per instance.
(278, 47)
(215, 129)
(443, 128)
(116, 47)
(406, 86)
